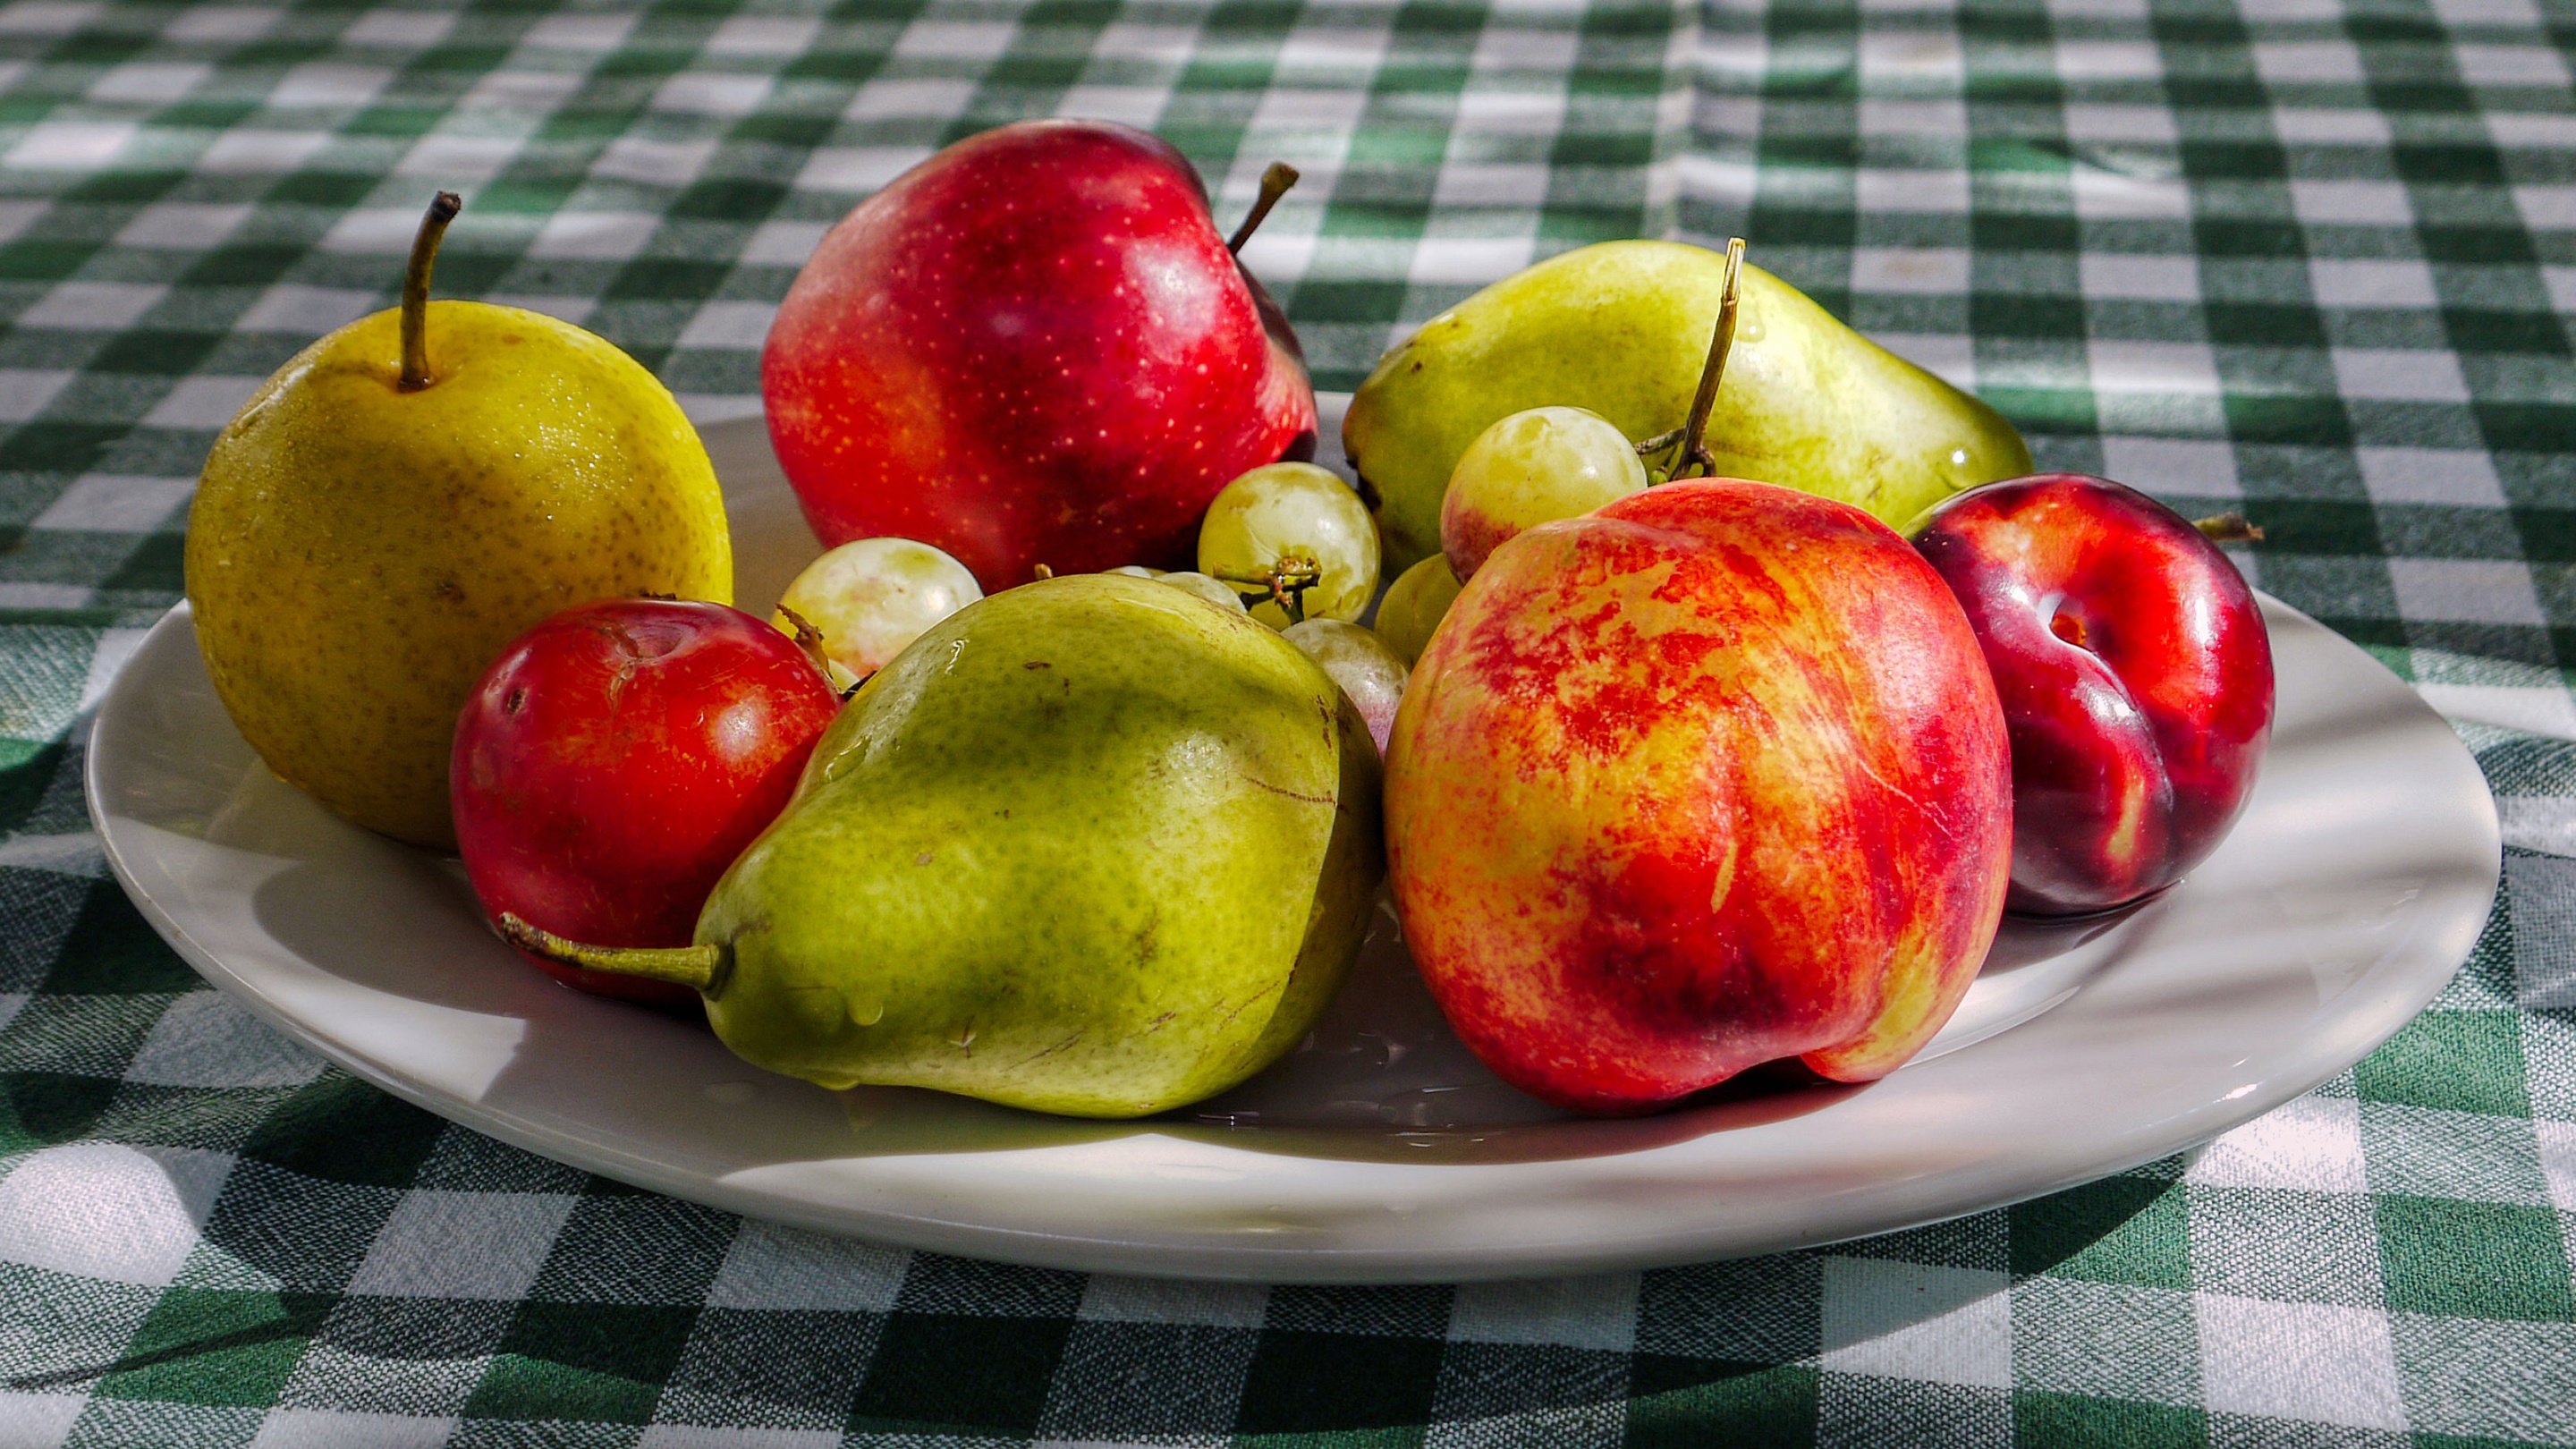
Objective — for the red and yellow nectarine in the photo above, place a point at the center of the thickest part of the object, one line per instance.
(1711, 776)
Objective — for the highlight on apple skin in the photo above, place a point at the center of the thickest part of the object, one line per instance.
(1033, 348)
(1707, 778)
(2135, 674)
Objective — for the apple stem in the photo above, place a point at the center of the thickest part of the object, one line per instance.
(1275, 182)
(415, 293)
(809, 639)
(700, 968)
(2229, 527)
(1690, 454)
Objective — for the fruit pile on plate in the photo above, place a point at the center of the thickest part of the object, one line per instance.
(1734, 677)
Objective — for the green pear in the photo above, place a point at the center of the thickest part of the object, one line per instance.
(1091, 845)
(1622, 328)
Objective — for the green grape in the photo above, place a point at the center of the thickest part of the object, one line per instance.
(1531, 468)
(871, 597)
(1295, 541)
(1414, 606)
(1221, 595)
(1361, 663)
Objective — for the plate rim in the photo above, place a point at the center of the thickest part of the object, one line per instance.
(2382, 1017)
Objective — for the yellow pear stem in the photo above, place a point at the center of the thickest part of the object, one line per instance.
(2229, 528)
(1274, 184)
(415, 294)
(700, 968)
(1720, 339)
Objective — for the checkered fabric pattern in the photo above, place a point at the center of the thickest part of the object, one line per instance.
(2306, 259)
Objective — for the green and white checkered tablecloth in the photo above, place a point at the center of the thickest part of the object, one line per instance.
(2309, 259)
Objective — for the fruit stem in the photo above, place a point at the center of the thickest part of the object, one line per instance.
(809, 639)
(1275, 182)
(2229, 527)
(1285, 583)
(700, 968)
(415, 293)
(1720, 340)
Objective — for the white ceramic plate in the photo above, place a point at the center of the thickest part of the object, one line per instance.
(2353, 888)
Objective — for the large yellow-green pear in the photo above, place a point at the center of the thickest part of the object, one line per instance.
(1622, 328)
(405, 497)
(1091, 845)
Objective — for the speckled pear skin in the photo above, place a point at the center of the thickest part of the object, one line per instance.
(1089, 846)
(1622, 328)
(357, 554)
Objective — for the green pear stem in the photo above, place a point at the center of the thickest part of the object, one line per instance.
(700, 968)
(2229, 527)
(415, 293)
(1275, 182)
(1720, 339)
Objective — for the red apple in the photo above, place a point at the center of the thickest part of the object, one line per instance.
(2135, 673)
(1033, 348)
(1709, 777)
(616, 758)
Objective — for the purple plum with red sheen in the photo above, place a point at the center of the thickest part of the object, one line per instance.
(2135, 674)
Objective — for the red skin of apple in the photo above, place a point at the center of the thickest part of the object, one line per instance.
(2136, 677)
(1707, 778)
(616, 758)
(1033, 348)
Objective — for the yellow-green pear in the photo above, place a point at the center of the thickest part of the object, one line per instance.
(405, 497)
(1622, 328)
(1089, 845)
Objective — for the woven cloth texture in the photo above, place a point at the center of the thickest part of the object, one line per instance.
(2309, 260)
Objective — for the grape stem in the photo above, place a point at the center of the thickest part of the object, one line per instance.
(809, 639)
(415, 293)
(1685, 442)
(1275, 181)
(1284, 583)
